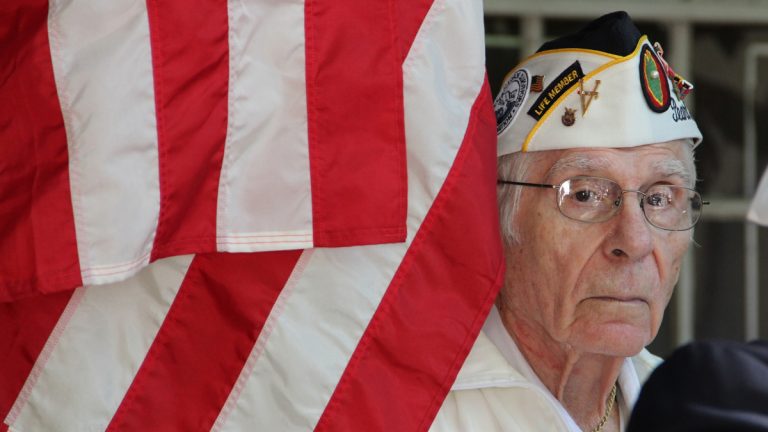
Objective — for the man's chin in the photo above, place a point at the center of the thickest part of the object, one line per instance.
(620, 339)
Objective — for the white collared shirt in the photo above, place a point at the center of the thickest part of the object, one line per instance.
(497, 390)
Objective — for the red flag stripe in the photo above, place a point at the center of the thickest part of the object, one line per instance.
(190, 66)
(37, 237)
(204, 341)
(25, 326)
(356, 145)
(417, 340)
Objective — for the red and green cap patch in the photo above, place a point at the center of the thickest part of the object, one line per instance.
(653, 80)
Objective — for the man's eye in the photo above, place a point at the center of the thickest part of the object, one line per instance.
(658, 200)
(585, 196)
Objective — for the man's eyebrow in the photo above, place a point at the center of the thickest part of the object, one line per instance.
(671, 168)
(579, 163)
(584, 164)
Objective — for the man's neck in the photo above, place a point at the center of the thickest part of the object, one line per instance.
(581, 381)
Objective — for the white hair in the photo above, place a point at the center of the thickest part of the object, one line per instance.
(515, 166)
(512, 167)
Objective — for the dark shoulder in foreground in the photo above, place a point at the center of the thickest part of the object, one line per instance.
(707, 386)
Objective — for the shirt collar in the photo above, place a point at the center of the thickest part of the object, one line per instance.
(496, 361)
(498, 334)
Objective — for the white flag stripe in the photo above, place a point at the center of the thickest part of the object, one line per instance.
(758, 210)
(45, 354)
(265, 241)
(266, 331)
(103, 70)
(306, 354)
(304, 357)
(100, 351)
(267, 123)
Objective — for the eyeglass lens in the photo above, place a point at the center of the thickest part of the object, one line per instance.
(594, 199)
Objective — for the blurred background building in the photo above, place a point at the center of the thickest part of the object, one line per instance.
(722, 48)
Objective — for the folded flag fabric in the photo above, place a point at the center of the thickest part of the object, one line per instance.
(148, 168)
(135, 130)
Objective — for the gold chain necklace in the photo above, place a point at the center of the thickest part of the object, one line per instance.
(608, 408)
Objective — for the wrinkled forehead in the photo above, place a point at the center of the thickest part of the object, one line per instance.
(662, 160)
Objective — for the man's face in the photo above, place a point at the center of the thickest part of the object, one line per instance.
(597, 287)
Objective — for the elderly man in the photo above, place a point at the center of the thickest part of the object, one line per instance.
(596, 200)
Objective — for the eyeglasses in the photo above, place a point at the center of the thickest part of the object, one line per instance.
(595, 199)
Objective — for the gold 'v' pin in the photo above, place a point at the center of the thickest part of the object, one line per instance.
(587, 95)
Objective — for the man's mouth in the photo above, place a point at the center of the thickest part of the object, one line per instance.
(621, 299)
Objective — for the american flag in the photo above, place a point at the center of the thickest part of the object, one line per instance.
(537, 83)
(241, 215)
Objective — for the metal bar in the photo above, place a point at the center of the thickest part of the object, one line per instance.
(532, 32)
(680, 36)
(725, 209)
(502, 41)
(751, 284)
(751, 246)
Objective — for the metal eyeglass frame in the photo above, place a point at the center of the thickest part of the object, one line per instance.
(621, 199)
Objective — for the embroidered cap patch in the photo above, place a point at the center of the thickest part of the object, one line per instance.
(512, 96)
(653, 80)
(567, 79)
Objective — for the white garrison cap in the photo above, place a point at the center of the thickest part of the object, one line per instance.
(568, 97)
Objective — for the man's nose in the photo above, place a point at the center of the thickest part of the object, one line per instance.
(632, 235)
